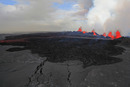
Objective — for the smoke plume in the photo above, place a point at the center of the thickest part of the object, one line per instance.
(109, 15)
(42, 15)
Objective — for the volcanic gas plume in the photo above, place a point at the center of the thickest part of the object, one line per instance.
(108, 15)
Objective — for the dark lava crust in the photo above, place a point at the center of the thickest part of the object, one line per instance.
(60, 49)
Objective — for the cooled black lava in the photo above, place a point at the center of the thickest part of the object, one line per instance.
(60, 49)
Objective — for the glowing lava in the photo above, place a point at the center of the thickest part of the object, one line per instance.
(80, 29)
(94, 32)
(118, 35)
(110, 35)
(104, 34)
(12, 41)
(84, 32)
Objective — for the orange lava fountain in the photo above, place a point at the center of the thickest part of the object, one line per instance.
(80, 29)
(118, 35)
(110, 35)
(94, 32)
(104, 34)
(84, 32)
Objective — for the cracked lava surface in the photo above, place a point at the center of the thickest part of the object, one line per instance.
(63, 62)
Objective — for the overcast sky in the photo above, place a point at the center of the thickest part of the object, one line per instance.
(64, 15)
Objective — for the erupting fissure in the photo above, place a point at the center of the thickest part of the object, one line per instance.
(80, 29)
(110, 35)
(104, 34)
(84, 32)
(94, 32)
(118, 35)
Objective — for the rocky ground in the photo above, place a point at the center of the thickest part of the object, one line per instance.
(65, 62)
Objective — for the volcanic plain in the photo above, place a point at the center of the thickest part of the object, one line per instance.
(64, 59)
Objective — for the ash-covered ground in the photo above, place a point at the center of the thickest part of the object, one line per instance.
(64, 59)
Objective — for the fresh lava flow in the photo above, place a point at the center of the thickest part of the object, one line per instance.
(118, 35)
(12, 41)
(104, 34)
(94, 32)
(110, 35)
(80, 29)
(84, 32)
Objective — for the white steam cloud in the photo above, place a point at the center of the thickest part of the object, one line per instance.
(109, 15)
(41, 15)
